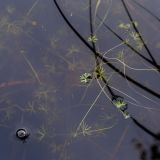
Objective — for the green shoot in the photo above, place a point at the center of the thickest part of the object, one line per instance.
(121, 105)
(124, 25)
(99, 72)
(92, 38)
(85, 78)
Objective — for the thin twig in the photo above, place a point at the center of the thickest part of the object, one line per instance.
(32, 7)
(32, 68)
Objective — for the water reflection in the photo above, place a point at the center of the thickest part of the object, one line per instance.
(152, 152)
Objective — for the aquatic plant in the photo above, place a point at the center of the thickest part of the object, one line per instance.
(10, 9)
(41, 133)
(15, 27)
(85, 129)
(92, 38)
(127, 26)
(43, 108)
(50, 68)
(124, 25)
(72, 50)
(121, 105)
(54, 42)
(42, 92)
(99, 72)
(31, 107)
(110, 78)
(86, 77)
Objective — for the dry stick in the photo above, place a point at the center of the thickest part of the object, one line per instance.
(102, 58)
(136, 29)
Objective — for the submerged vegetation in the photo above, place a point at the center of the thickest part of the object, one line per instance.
(79, 85)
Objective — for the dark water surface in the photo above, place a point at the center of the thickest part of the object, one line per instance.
(43, 61)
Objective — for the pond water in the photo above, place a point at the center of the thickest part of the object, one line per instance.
(80, 80)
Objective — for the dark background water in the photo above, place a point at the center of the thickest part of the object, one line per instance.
(41, 61)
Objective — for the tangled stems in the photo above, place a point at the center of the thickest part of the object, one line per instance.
(129, 46)
(102, 58)
(98, 66)
(137, 31)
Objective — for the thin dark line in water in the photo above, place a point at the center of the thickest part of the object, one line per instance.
(108, 87)
(128, 45)
(147, 10)
(156, 136)
(95, 49)
(91, 28)
(136, 29)
(102, 58)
